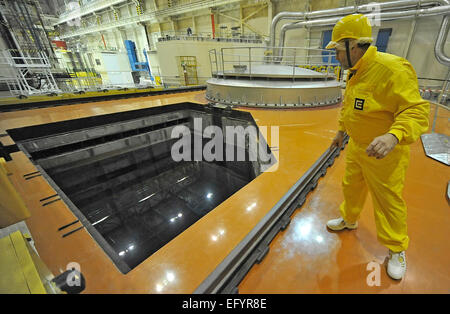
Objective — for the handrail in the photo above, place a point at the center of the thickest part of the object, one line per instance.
(152, 16)
(41, 60)
(244, 60)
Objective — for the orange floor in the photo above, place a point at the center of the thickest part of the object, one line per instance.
(306, 257)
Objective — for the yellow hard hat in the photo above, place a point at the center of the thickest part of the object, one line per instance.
(353, 26)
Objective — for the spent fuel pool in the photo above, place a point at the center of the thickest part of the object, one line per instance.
(118, 175)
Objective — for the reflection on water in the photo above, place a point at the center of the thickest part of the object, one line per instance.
(140, 200)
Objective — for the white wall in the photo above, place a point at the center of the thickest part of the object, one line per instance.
(170, 50)
(421, 54)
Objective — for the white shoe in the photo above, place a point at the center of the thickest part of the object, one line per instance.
(396, 267)
(340, 224)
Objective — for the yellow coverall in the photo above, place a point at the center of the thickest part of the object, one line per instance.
(381, 97)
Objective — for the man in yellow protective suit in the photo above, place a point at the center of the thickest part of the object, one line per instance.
(382, 113)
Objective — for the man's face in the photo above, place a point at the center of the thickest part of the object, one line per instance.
(341, 54)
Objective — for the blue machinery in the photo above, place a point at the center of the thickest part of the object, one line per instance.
(135, 64)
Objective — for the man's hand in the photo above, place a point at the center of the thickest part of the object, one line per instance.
(338, 139)
(382, 145)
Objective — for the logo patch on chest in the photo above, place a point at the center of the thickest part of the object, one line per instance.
(359, 103)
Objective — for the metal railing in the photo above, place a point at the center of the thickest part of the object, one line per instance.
(27, 73)
(22, 59)
(243, 61)
(152, 16)
(158, 37)
(75, 11)
(85, 8)
(205, 36)
(436, 90)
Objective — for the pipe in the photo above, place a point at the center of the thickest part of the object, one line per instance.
(348, 10)
(31, 26)
(440, 42)
(104, 42)
(213, 26)
(439, 48)
(28, 25)
(45, 31)
(11, 42)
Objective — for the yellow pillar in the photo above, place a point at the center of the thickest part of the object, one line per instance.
(12, 207)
